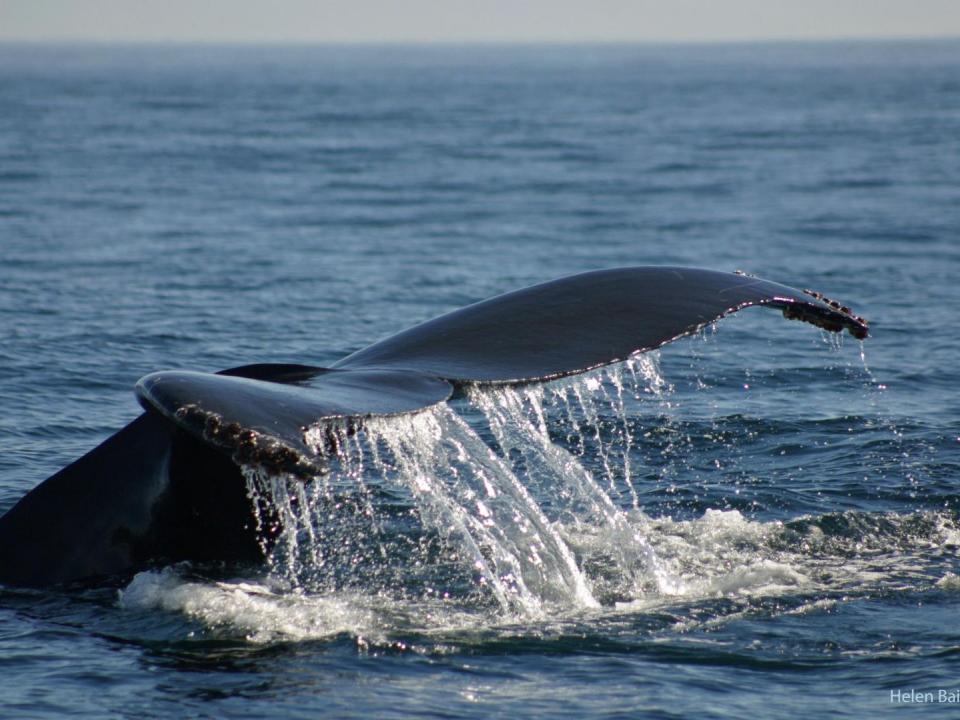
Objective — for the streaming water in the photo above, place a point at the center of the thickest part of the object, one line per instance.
(492, 485)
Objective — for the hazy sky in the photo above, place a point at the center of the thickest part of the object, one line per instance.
(472, 20)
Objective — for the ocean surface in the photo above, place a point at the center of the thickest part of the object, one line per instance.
(758, 521)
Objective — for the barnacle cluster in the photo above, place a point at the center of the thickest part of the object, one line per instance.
(247, 446)
(858, 326)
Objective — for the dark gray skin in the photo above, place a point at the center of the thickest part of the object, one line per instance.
(168, 486)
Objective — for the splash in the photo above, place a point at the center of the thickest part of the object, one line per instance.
(459, 492)
(486, 494)
(522, 506)
(731, 567)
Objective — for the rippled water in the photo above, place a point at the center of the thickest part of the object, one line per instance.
(759, 519)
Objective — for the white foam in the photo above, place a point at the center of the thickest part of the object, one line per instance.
(256, 610)
(763, 578)
(949, 581)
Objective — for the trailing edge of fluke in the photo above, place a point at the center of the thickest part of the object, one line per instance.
(168, 486)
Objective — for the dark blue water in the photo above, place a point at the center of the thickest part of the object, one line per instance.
(202, 208)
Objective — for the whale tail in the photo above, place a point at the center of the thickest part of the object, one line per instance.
(168, 486)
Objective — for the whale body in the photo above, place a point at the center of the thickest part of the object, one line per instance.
(168, 487)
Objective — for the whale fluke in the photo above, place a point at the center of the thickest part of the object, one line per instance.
(168, 486)
(263, 423)
(584, 321)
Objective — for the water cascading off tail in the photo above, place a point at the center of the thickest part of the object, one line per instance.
(507, 501)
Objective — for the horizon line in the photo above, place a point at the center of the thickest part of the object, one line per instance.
(479, 42)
